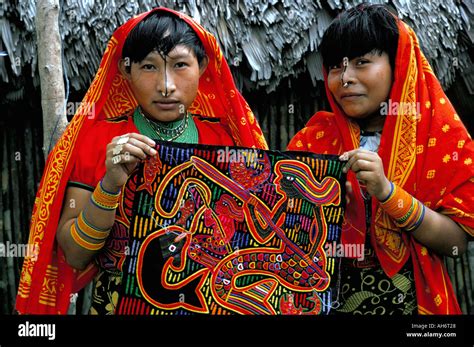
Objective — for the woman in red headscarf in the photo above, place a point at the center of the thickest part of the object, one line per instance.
(409, 163)
(162, 76)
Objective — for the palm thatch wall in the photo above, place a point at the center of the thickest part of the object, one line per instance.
(271, 47)
(274, 39)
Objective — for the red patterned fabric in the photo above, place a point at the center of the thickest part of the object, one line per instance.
(427, 152)
(90, 162)
(46, 280)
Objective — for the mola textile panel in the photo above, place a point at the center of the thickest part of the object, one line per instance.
(229, 230)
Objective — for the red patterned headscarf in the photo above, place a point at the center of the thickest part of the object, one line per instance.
(47, 281)
(427, 151)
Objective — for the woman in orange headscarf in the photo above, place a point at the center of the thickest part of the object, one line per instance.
(162, 76)
(409, 163)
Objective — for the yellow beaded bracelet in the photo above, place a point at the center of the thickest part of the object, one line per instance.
(88, 236)
(104, 199)
(84, 243)
(89, 230)
(407, 212)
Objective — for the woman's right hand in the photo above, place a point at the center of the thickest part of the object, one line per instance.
(123, 155)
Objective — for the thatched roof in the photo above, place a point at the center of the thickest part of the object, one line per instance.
(264, 41)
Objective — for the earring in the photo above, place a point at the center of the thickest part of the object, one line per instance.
(164, 94)
(345, 85)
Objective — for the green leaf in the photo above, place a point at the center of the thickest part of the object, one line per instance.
(355, 300)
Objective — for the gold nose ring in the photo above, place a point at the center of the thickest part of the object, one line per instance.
(345, 64)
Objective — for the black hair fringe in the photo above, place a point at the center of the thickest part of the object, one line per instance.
(358, 31)
(161, 32)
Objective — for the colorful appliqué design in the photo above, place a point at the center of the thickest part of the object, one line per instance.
(224, 230)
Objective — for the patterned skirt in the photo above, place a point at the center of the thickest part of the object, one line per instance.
(366, 289)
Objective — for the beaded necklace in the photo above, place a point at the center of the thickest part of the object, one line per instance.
(170, 131)
(183, 131)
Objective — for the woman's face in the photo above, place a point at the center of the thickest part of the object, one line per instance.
(369, 79)
(165, 91)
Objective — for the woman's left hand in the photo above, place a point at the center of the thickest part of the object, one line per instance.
(368, 168)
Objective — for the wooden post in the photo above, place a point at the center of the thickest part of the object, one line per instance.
(50, 71)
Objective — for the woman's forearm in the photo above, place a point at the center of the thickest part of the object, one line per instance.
(433, 229)
(83, 228)
(79, 219)
(441, 234)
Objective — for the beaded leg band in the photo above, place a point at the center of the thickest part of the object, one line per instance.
(407, 212)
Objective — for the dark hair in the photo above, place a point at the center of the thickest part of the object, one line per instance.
(358, 31)
(161, 32)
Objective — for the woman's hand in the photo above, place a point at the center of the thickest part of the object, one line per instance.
(123, 155)
(368, 168)
(437, 231)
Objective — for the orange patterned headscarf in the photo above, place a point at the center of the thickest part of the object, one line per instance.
(46, 281)
(427, 151)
